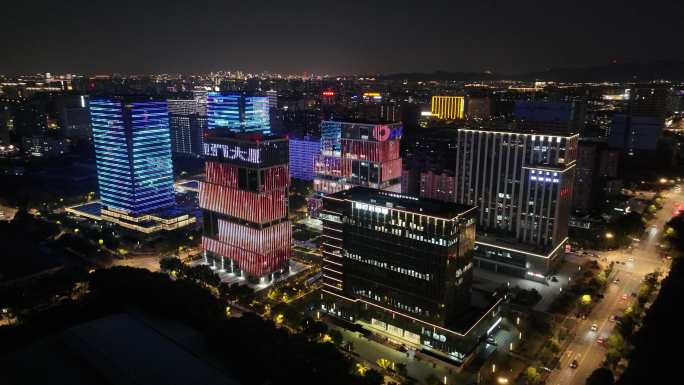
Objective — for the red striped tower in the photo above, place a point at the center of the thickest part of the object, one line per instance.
(244, 200)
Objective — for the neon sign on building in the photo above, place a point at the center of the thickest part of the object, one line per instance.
(232, 152)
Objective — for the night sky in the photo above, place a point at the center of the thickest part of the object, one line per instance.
(341, 37)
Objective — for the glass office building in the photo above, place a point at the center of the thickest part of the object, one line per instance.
(402, 266)
(237, 112)
(133, 153)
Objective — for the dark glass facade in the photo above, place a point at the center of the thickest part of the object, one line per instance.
(401, 264)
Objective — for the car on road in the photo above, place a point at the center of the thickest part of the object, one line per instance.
(630, 259)
(601, 341)
(554, 279)
(616, 280)
(614, 318)
(624, 297)
(574, 364)
(594, 327)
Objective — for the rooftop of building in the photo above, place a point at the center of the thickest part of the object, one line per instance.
(518, 129)
(227, 136)
(432, 207)
(510, 242)
(363, 121)
(481, 303)
(132, 98)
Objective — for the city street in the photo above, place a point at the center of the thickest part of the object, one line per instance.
(630, 269)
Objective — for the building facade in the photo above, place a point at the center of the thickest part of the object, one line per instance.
(637, 131)
(448, 107)
(244, 201)
(187, 122)
(439, 186)
(597, 169)
(368, 156)
(238, 112)
(402, 266)
(521, 183)
(134, 168)
(133, 154)
(303, 153)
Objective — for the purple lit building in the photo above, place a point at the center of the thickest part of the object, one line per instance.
(302, 154)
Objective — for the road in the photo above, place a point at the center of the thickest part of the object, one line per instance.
(629, 272)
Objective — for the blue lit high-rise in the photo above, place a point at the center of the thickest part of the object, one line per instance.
(238, 112)
(133, 154)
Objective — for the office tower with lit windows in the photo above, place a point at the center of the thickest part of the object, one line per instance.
(132, 153)
(438, 185)
(244, 201)
(237, 112)
(187, 125)
(303, 152)
(134, 168)
(401, 266)
(521, 182)
(272, 96)
(448, 107)
(367, 155)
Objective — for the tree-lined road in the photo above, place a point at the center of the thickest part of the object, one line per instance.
(630, 269)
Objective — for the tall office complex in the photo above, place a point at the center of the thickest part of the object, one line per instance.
(187, 125)
(303, 152)
(133, 154)
(74, 116)
(244, 201)
(596, 174)
(272, 96)
(367, 155)
(521, 182)
(448, 107)
(134, 169)
(331, 136)
(402, 266)
(238, 112)
(637, 131)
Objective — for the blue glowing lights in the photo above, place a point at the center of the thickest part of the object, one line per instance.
(133, 154)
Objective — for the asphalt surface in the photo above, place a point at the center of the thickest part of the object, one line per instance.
(630, 269)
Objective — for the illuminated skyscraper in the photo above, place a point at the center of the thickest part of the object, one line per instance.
(521, 182)
(187, 123)
(272, 96)
(244, 201)
(237, 112)
(402, 267)
(448, 107)
(303, 152)
(358, 154)
(133, 153)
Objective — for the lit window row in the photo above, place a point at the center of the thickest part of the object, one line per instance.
(385, 265)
